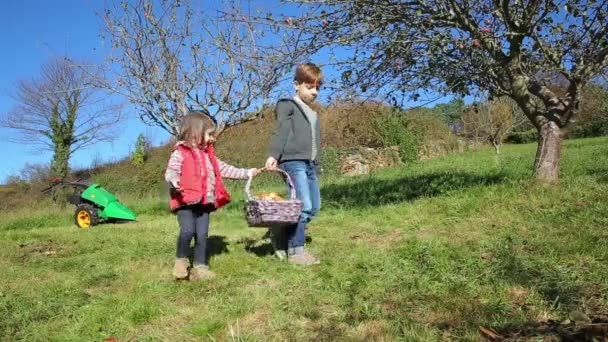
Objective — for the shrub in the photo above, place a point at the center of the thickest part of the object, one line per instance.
(408, 148)
(393, 129)
(589, 129)
(350, 124)
(523, 137)
(138, 158)
(330, 161)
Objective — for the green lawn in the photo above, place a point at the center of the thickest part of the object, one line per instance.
(456, 248)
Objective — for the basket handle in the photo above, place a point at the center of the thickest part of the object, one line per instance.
(292, 188)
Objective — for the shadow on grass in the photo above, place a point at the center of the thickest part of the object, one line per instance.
(260, 248)
(263, 246)
(373, 192)
(521, 272)
(601, 174)
(216, 245)
(555, 288)
(545, 278)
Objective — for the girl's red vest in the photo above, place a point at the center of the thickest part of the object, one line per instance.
(193, 180)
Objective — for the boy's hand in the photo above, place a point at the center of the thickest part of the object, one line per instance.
(271, 163)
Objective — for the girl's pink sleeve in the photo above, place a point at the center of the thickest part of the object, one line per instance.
(229, 171)
(174, 168)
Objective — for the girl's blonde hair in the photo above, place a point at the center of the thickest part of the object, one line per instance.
(194, 126)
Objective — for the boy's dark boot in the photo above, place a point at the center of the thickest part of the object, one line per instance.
(278, 240)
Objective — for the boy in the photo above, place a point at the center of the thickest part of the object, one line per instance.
(295, 147)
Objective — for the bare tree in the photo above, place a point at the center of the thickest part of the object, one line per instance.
(60, 111)
(406, 49)
(492, 121)
(170, 57)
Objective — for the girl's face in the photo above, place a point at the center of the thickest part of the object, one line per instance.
(209, 137)
(307, 91)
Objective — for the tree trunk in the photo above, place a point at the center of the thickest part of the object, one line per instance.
(497, 146)
(548, 153)
(59, 165)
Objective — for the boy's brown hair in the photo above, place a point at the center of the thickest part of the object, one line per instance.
(193, 127)
(308, 73)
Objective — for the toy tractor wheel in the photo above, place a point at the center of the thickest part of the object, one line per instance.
(85, 216)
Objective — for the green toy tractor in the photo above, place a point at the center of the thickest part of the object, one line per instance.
(94, 204)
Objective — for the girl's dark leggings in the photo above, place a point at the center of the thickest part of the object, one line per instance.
(194, 223)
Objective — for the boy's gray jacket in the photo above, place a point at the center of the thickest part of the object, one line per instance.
(292, 137)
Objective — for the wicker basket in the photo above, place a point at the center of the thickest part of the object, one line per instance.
(266, 212)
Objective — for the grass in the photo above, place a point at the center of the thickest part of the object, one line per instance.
(427, 252)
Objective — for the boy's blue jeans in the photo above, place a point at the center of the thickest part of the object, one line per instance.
(303, 174)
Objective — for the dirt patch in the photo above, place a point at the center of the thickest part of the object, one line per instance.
(254, 324)
(326, 330)
(518, 295)
(373, 331)
(597, 298)
(48, 248)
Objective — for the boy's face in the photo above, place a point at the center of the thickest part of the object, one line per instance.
(307, 91)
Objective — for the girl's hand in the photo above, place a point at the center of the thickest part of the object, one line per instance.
(174, 187)
(254, 172)
(271, 163)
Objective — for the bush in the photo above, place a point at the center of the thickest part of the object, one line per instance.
(346, 125)
(408, 148)
(592, 117)
(434, 137)
(523, 137)
(138, 158)
(330, 161)
(351, 124)
(589, 129)
(393, 129)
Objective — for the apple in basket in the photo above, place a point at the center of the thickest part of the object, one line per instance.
(270, 196)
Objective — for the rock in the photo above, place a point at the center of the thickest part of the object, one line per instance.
(363, 160)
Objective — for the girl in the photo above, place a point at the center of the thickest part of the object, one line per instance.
(195, 176)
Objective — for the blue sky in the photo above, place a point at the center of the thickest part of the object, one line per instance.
(31, 33)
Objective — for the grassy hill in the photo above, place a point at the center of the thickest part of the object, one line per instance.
(461, 247)
(345, 125)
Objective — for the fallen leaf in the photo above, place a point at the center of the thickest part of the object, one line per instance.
(490, 333)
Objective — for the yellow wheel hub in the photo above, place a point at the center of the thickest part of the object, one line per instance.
(84, 219)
